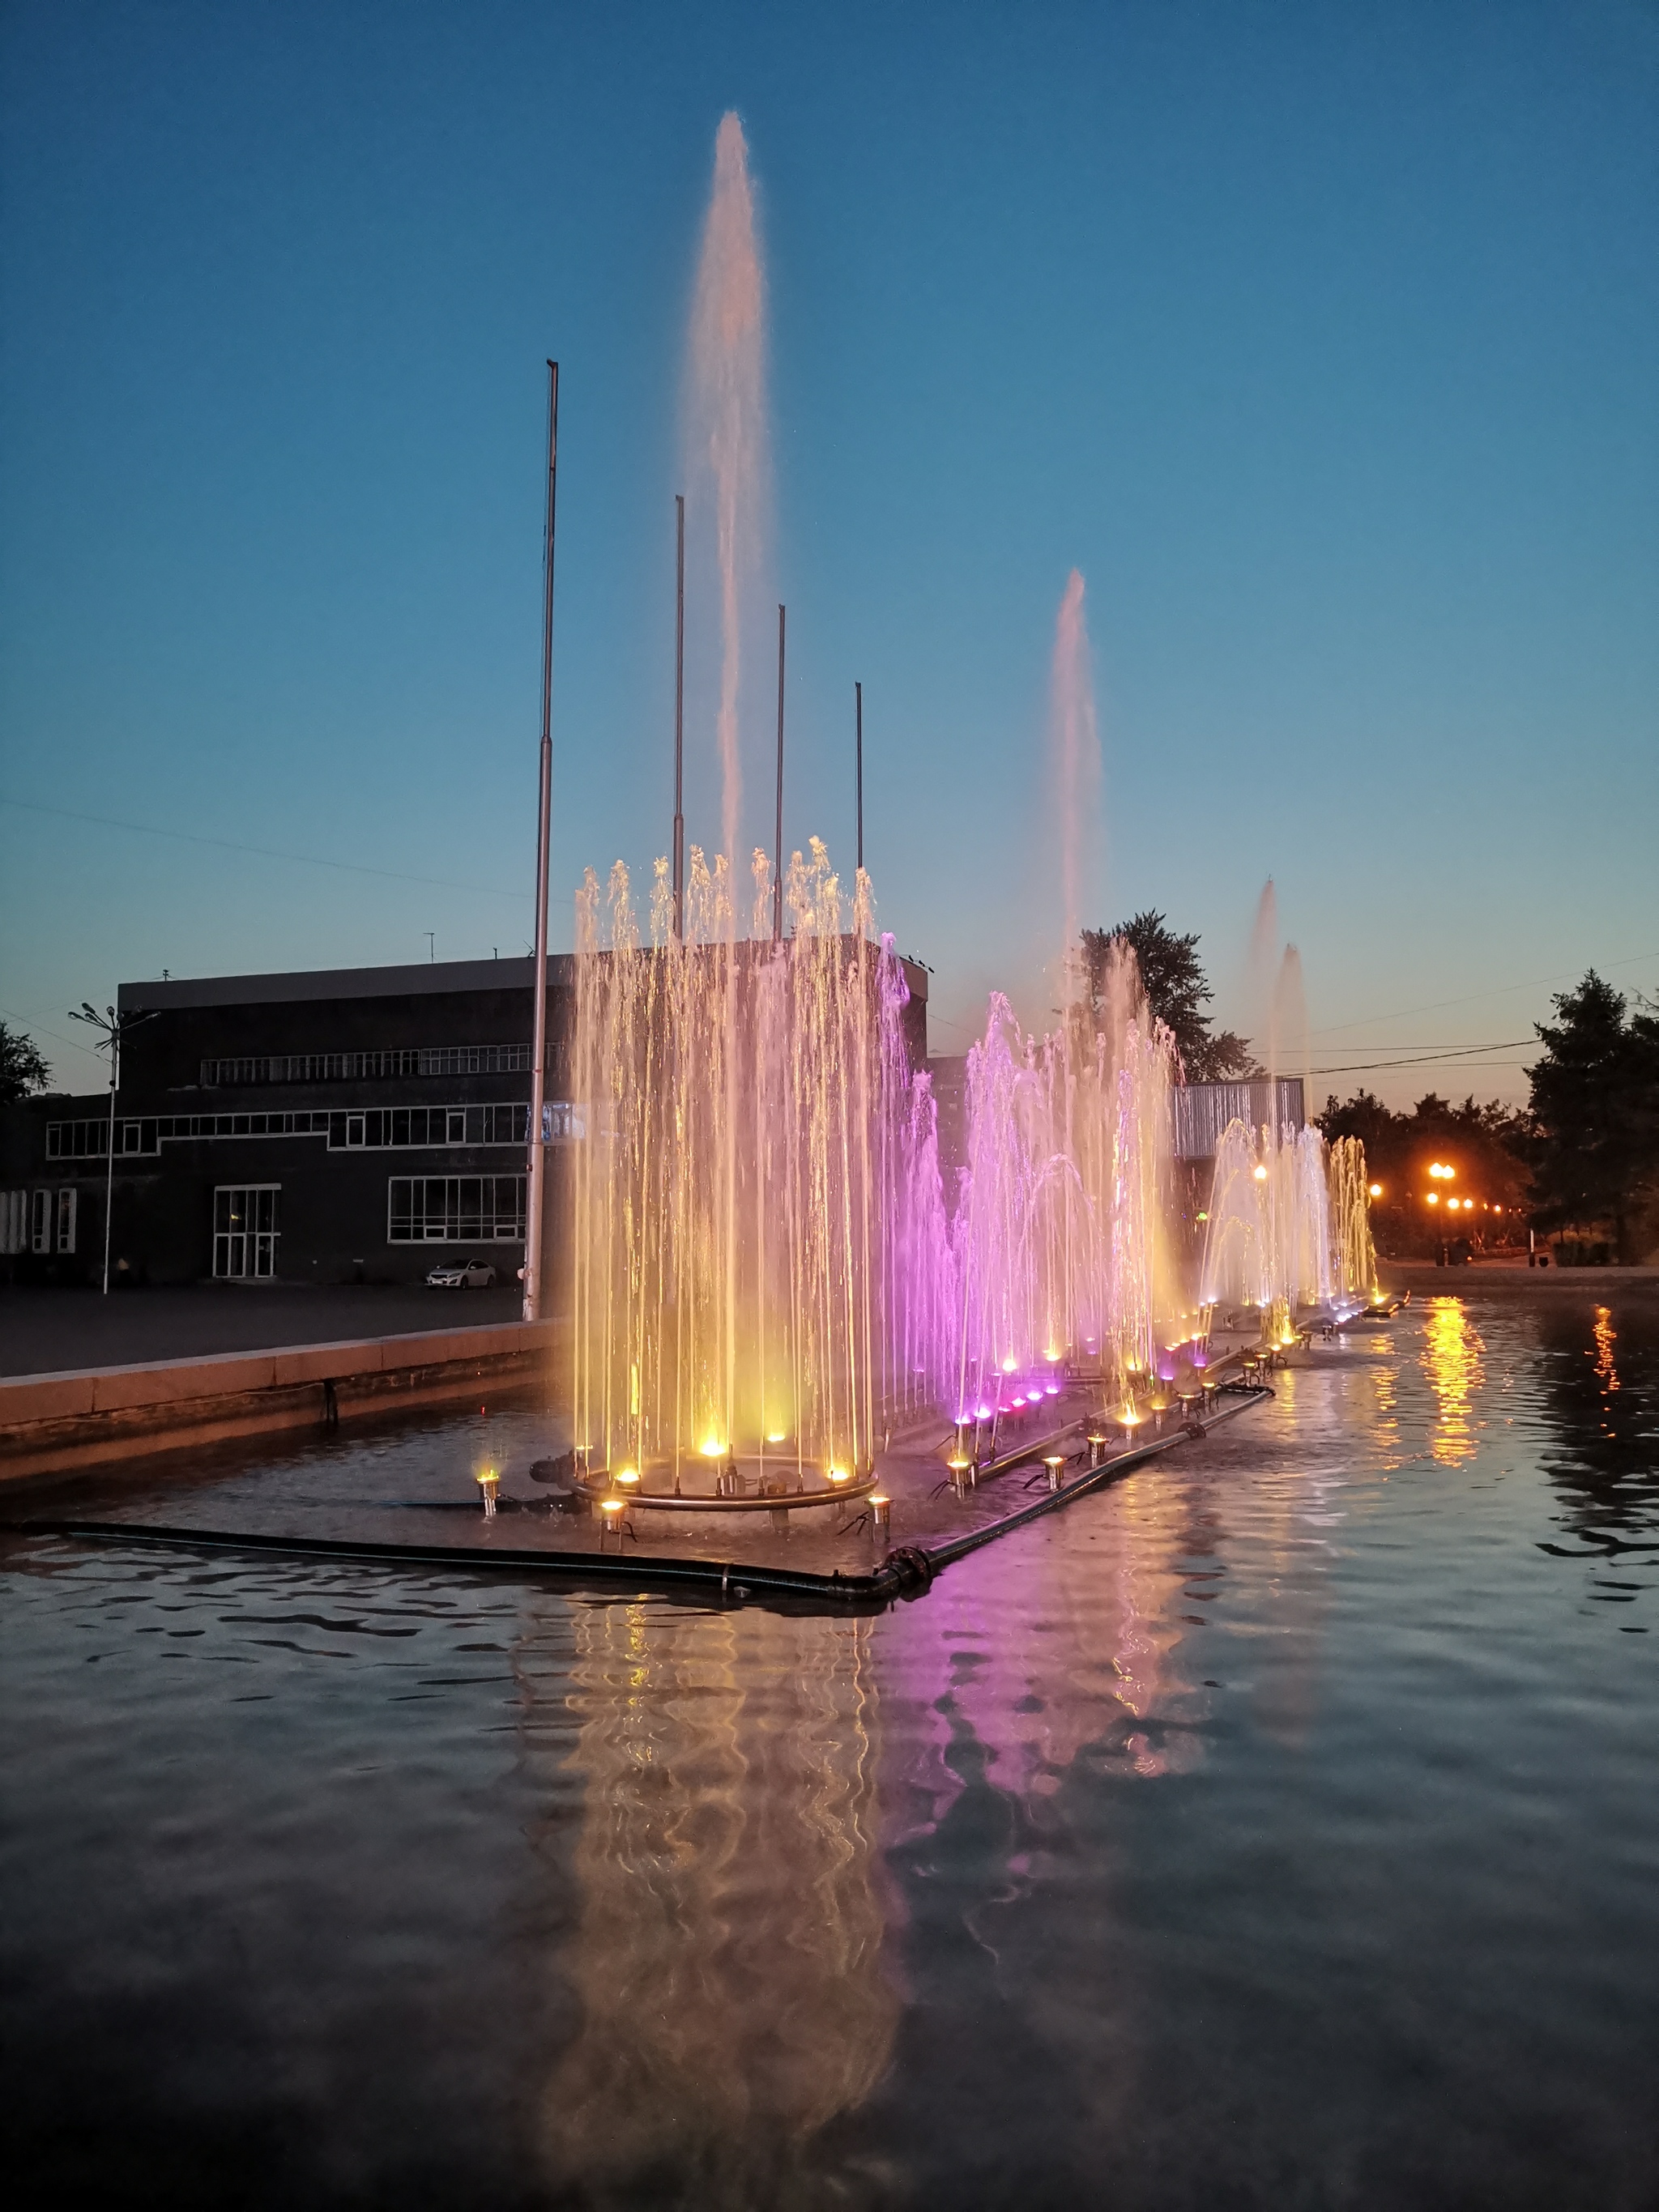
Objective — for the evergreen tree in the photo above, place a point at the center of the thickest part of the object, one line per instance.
(1595, 1103)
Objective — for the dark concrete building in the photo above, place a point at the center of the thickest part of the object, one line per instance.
(351, 1125)
(354, 1125)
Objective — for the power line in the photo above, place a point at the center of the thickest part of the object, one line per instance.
(34, 1028)
(1463, 1052)
(262, 852)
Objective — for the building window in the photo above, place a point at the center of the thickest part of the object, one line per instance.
(455, 1210)
(380, 1129)
(245, 1231)
(14, 1223)
(355, 1066)
(37, 1221)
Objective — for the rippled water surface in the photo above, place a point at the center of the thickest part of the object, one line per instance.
(1277, 1829)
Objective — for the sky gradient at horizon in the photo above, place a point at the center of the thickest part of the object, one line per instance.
(1324, 343)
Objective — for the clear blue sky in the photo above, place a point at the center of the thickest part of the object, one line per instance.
(1324, 340)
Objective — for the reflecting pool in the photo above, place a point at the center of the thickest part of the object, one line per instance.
(1279, 1828)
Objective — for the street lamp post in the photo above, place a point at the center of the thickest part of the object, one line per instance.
(113, 1027)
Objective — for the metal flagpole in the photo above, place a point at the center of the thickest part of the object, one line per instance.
(538, 1177)
(777, 885)
(679, 721)
(109, 1175)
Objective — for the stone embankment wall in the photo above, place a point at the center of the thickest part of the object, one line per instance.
(54, 1423)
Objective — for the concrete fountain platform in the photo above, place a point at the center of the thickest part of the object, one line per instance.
(826, 1559)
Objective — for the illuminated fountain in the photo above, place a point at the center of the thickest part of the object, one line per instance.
(1353, 1252)
(757, 1217)
(1289, 1229)
(1060, 1242)
(770, 1275)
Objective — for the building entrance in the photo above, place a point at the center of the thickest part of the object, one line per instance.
(245, 1229)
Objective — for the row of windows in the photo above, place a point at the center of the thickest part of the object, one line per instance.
(420, 1210)
(378, 1127)
(455, 1210)
(247, 1220)
(353, 1066)
(37, 1221)
(90, 1140)
(373, 1130)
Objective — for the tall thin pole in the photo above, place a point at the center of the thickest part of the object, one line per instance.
(537, 1179)
(109, 1176)
(857, 702)
(679, 719)
(111, 1028)
(777, 881)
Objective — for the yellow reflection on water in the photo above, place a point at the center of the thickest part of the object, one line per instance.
(1451, 1359)
(727, 1954)
(1606, 1337)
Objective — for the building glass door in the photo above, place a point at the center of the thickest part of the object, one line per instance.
(245, 1231)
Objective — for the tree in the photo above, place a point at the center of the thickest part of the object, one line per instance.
(1377, 1127)
(1176, 988)
(23, 1066)
(1487, 1144)
(1596, 1104)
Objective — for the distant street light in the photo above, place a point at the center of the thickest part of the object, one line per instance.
(1376, 1190)
(114, 1027)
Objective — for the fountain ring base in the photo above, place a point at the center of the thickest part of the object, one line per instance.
(789, 1501)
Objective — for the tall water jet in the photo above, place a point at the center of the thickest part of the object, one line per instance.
(729, 462)
(1264, 940)
(1287, 1024)
(1075, 742)
(728, 431)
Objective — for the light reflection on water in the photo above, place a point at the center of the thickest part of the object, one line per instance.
(1451, 1360)
(1605, 1336)
(1278, 1828)
(727, 1960)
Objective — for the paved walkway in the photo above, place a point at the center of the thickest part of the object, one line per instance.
(43, 1332)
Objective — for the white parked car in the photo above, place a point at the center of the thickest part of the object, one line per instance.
(462, 1275)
